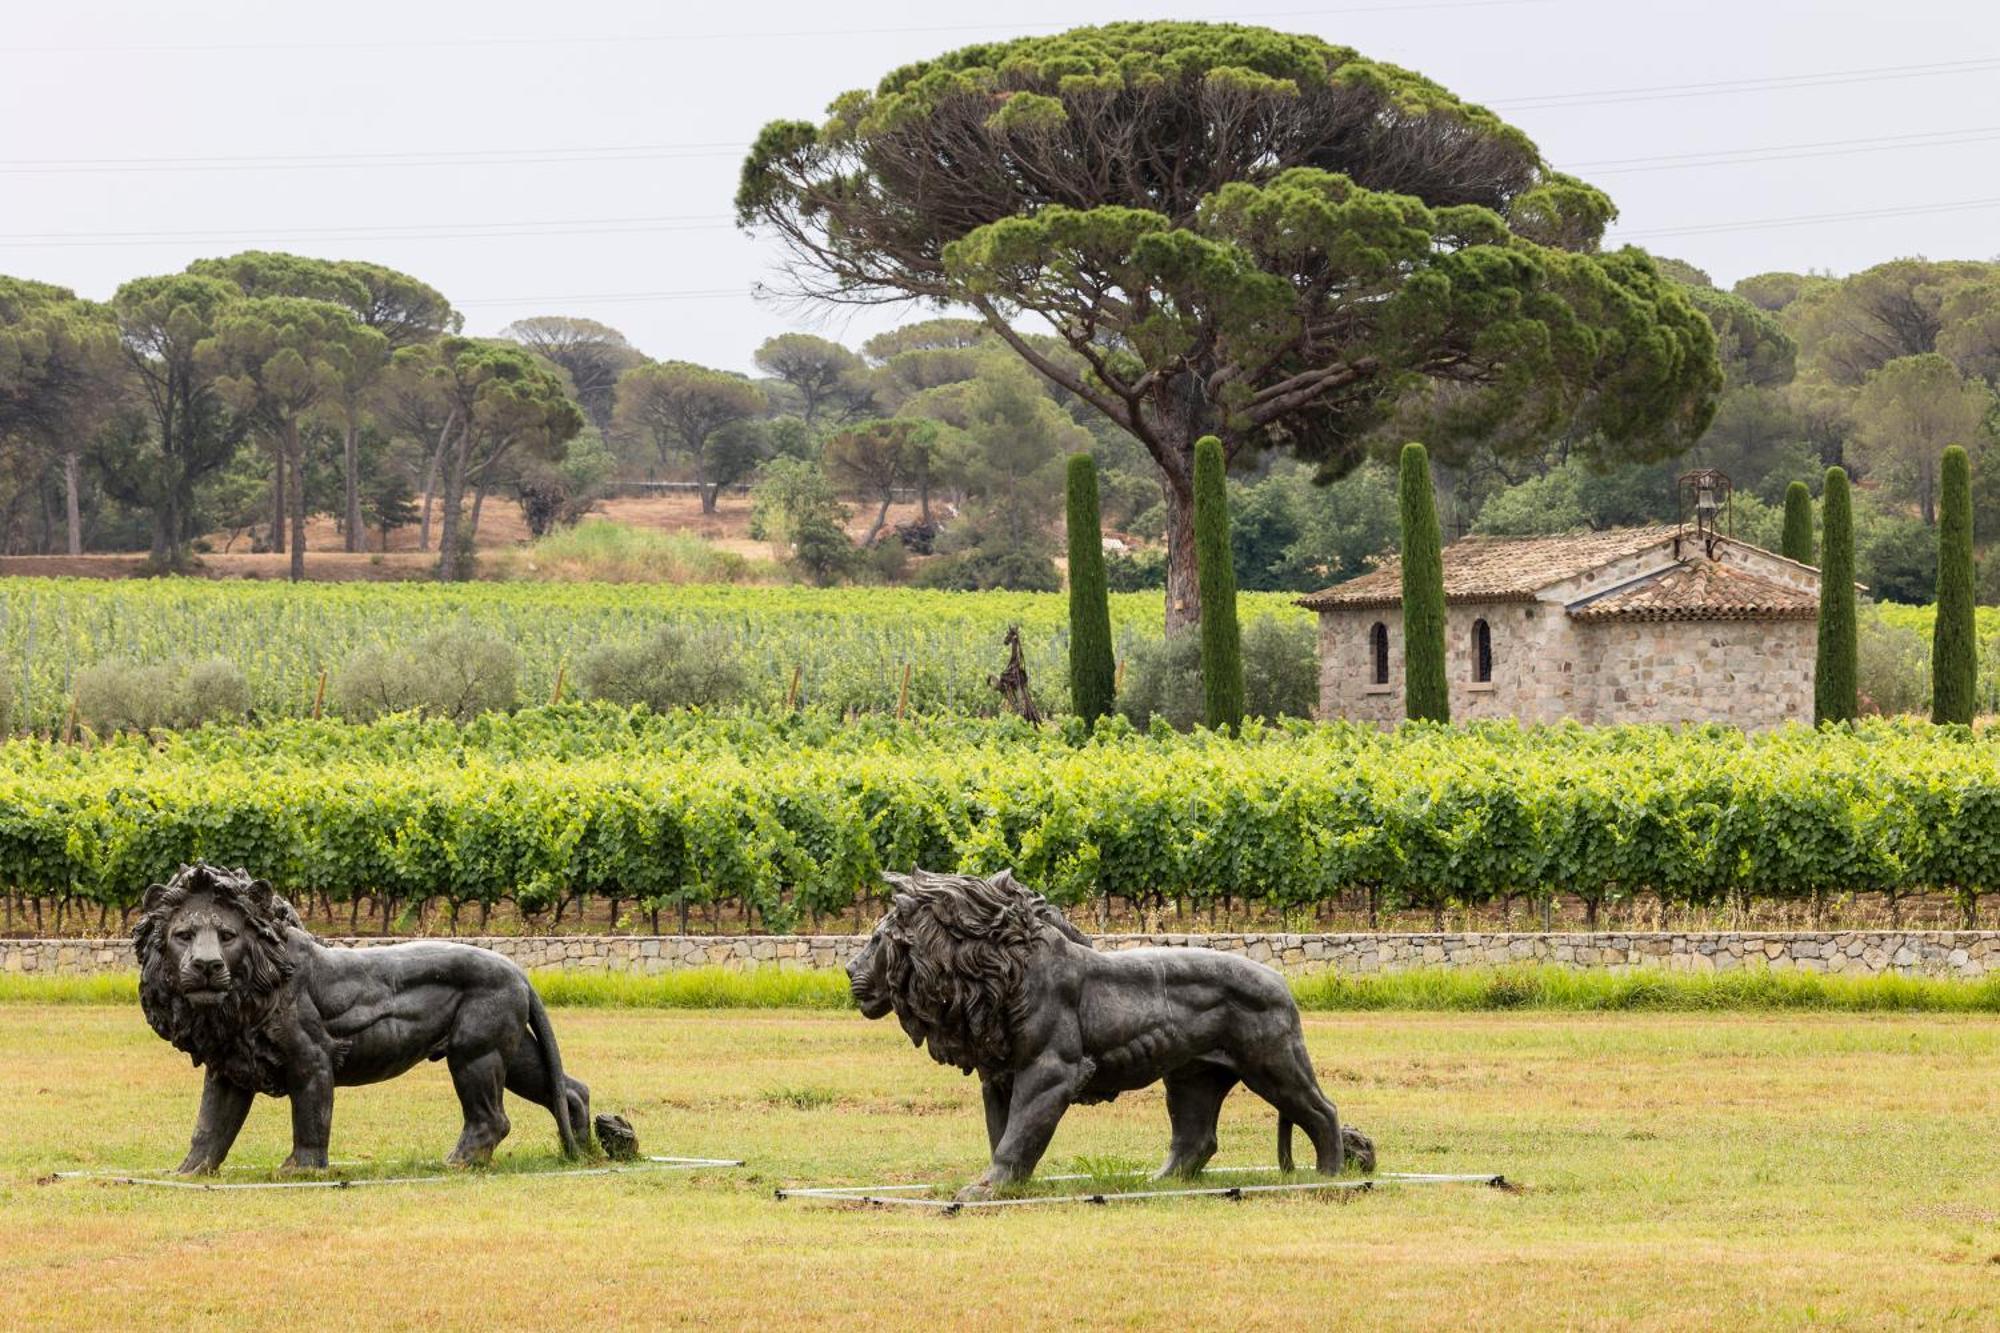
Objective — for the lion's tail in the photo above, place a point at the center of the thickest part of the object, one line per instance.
(552, 1071)
(1284, 1142)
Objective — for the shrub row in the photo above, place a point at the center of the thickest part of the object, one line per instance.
(796, 815)
(847, 648)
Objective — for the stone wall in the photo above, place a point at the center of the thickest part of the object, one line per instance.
(1968, 954)
(1749, 673)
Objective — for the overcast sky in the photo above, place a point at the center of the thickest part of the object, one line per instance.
(579, 158)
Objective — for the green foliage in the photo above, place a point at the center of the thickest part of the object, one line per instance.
(1120, 192)
(1834, 681)
(1221, 638)
(1136, 571)
(1892, 665)
(685, 410)
(672, 669)
(1163, 681)
(1954, 651)
(1569, 990)
(1896, 557)
(1797, 543)
(1092, 667)
(1426, 696)
(791, 813)
(795, 505)
(989, 567)
(598, 550)
(456, 674)
(128, 696)
(1280, 669)
(849, 643)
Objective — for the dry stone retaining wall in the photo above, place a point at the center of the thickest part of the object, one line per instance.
(1859, 953)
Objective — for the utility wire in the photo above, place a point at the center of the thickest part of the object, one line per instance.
(509, 157)
(1786, 152)
(1812, 219)
(809, 34)
(1775, 83)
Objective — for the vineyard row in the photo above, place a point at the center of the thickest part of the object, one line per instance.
(793, 817)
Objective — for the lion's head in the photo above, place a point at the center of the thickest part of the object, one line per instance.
(214, 956)
(947, 960)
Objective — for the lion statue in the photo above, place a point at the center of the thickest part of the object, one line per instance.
(991, 978)
(229, 974)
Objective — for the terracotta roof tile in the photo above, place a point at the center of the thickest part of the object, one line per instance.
(1495, 569)
(1699, 590)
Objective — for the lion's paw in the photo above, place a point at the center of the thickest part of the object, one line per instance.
(1359, 1149)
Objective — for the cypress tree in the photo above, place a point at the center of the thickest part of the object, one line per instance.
(1833, 678)
(1221, 641)
(1092, 669)
(1425, 695)
(1797, 543)
(1954, 651)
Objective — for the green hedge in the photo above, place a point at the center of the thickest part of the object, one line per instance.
(799, 814)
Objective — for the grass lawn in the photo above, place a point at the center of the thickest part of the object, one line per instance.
(1681, 1171)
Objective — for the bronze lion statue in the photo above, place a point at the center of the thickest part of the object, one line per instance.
(990, 978)
(229, 974)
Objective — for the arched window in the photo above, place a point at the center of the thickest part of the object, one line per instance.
(1378, 651)
(1482, 652)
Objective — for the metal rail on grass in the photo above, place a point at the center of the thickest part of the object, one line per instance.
(166, 1180)
(903, 1195)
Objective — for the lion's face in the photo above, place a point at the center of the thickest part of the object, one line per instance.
(205, 948)
(868, 974)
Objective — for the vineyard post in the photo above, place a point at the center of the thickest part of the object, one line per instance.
(319, 694)
(791, 702)
(555, 694)
(903, 695)
(69, 723)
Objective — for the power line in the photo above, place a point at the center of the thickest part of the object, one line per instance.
(811, 34)
(440, 232)
(1775, 83)
(606, 298)
(499, 157)
(1810, 219)
(586, 155)
(1786, 152)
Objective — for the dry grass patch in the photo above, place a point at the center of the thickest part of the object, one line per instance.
(1684, 1170)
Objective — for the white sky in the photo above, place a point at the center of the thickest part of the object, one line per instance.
(104, 102)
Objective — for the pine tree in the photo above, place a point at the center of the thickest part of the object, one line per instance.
(1954, 650)
(1092, 670)
(1833, 680)
(1797, 543)
(1221, 641)
(1426, 697)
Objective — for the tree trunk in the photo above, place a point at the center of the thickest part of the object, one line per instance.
(295, 455)
(166, 531)
(881, 517)
(279, 509)
(708, 495)
(924, 498)
(452, 500)
(478, 503)
(72, 505)
(350, 458)
(431, 480)
(1183, 586)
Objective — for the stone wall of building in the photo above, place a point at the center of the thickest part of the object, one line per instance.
(1968, 954)
(1749, 673)
(1548, 667)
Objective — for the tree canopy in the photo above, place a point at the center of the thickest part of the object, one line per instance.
(1246, 233)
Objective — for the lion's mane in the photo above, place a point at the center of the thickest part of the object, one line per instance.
(955, 948)
(233, 1036)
